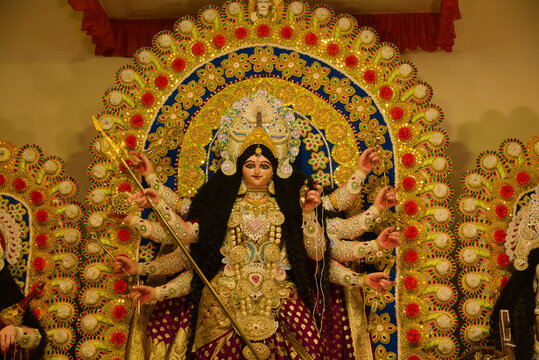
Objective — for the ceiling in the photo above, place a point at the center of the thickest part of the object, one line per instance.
(173, 9)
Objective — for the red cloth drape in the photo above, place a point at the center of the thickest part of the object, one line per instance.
(428, 31)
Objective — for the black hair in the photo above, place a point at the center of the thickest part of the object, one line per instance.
(11, 295)
(518, 297)
(212, 206)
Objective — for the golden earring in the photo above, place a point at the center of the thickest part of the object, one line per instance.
(271, 188)
(243, 188)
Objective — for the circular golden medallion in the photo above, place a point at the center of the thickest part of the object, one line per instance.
(270, 288)
(276, 217)
(304, 105)
(271, 253)
(336, 133)
(199, 135)
(262, 350)
(194, 155)
(343, 153)
(243, 289)
(120, 205)
(258, 327)
(237, 254)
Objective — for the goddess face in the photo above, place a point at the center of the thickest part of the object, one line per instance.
(263, 6)
(257, 171)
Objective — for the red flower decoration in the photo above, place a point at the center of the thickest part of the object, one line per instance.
(410, 282)
(411, 232)
(501, 211)
(413, 336)
(123, 234)
(131, 141)
(332, 49)
(37, 313)
(396, 113)
(499, 236)
(311, 38)
(198, 48)
(411, 208)
(502, 260)
(161, 81)
(119, 312)
(351, 61)
(523, 178)
(240, 32)
(118, 338)
(137, 120)
(41, 240)
(120, 286)
(36, 197)
(148, 99)
(412, 310)
(125, 187)
(369, 76)
(19, 184)
(386, 92)
(42, 216)
(2, 179)
(507, 191)
(39, 263)
(503, 281)
(414, 357)
(263, 30)
(404, 133)
(408, 183)
(178, 64)
(410, 256)
(408, 159)
(219, 41)
(287, 32)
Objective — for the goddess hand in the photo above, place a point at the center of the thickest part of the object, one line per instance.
(368, 159)
(378, 281)
(125, 263)
(386, 198)
(312, 199)
(141, 198)
(141, 292)
(7, 337)
(388, 239)
(141, 163)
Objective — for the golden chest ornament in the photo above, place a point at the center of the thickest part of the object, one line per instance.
(254, 276)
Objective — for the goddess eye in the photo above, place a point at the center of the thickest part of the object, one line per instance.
(250, 166)
(265, 166)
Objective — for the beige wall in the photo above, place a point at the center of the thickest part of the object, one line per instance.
(52, 82)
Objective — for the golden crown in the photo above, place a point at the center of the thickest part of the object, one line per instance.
(259, 137)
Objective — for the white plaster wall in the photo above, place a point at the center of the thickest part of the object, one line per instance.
(52, 83)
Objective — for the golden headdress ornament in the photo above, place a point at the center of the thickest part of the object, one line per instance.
(259, 137)
(523, 232)
(259, 119)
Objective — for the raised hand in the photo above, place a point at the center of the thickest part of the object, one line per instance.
(7, 337)
(141, 198)
(386, 198)
(141, 163)
(141, 292)
(378, 281)
(389, 238)
(368, 159)
(312, 199)
(124, 263)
